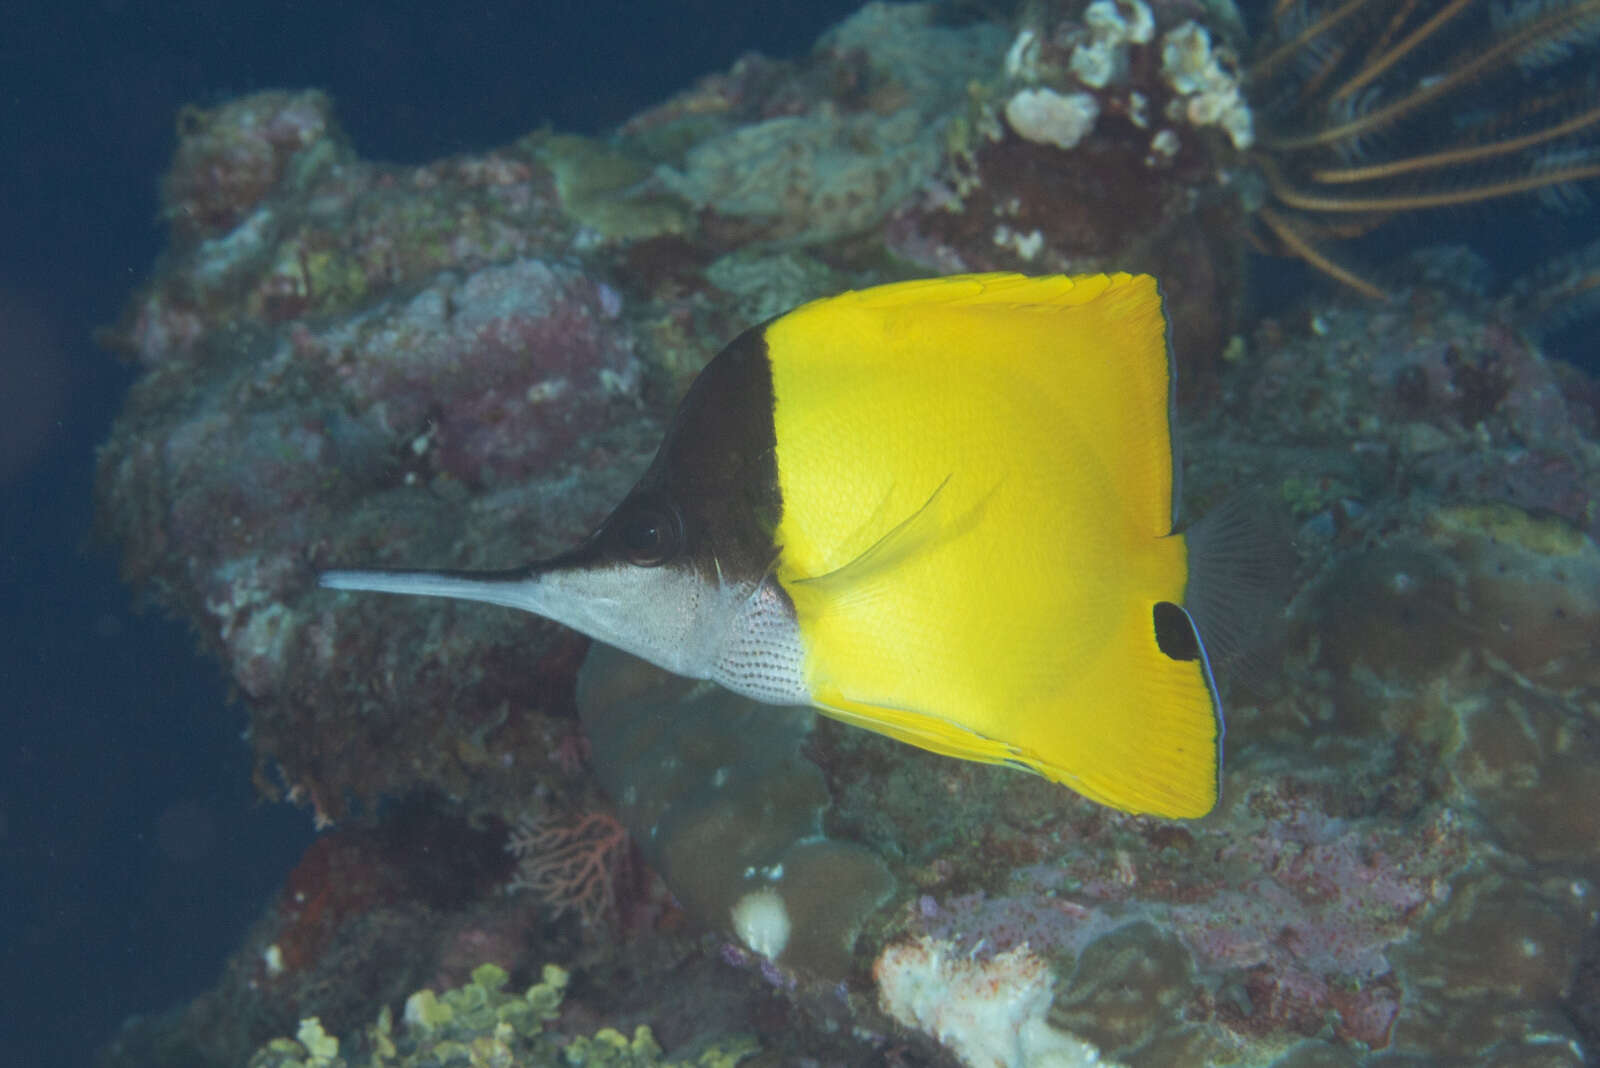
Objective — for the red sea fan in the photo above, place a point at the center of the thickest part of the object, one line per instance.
(571, 862)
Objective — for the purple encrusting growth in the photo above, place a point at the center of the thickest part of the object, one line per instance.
(467, 363)
(493, 377)
(1303, 906)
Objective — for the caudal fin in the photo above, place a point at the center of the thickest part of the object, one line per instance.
(1241, 563)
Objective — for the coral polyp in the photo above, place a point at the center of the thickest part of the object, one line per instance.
(1371, 108)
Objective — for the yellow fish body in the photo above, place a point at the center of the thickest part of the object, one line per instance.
(942, 510)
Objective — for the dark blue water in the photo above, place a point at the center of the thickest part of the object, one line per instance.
(132, 852)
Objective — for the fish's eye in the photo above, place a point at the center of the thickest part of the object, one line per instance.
(650, 533)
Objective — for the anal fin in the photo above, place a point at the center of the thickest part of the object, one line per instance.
(920, 729)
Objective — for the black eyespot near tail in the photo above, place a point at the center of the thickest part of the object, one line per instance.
(1175, 634)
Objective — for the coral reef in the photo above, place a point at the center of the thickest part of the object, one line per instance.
(1093, 152)
(231, 156)
(811, 174)
(436, 406)
(466, 364)
(723, 804)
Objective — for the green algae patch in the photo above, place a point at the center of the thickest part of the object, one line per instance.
(607, 191)
(1541, 535)
(484, 1025)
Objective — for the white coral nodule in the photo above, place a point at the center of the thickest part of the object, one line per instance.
(1194, 71)
(761, 920)
(1046, 117)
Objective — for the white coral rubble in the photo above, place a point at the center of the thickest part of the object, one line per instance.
(1209, 91)
(1113, 25)
(990, 1014)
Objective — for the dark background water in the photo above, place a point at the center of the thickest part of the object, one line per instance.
(132, 852)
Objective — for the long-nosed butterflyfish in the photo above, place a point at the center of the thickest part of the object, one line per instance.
(943, 510)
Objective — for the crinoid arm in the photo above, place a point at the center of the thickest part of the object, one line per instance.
(1373, 108)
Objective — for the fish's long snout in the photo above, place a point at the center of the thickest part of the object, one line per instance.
(514, 589)
(665, 615)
